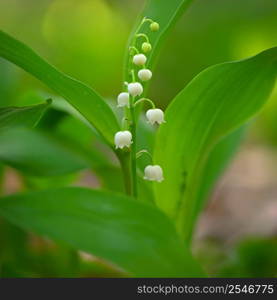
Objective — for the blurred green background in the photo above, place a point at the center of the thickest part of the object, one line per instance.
(87, 40)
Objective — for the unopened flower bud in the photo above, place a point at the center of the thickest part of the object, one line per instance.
(154, 26)
(155, 115)
(146, 47)
(144, 74)
(139, 59)
(123, 100)
(135, 89)
(153, 173)
(123, 139)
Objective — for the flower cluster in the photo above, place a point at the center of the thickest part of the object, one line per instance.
(130, 98)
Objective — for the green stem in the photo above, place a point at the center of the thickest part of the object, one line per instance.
(133, 150)
(125, 123)
(133, 75)
(124, 159)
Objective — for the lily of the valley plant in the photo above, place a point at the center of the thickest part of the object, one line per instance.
(141, 222)
(130, 98)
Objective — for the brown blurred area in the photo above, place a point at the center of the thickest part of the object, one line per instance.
(244, 200)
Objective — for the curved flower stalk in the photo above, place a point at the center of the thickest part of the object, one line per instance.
(129, 99)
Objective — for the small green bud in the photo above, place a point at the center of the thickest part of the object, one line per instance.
(146, 47)
(154, 26)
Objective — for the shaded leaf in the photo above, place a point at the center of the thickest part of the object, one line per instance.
(12, 116)
(215, 164)
(136, 237)
(82, 97)
(38, 154)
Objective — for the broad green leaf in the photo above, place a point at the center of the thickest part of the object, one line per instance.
(136, 237)
(218, 159)
(166, 13)
(21, 116)
(213, 104)
(82, 97)
(8, 83)
(215, 164)
(52, 117)
(38, 154)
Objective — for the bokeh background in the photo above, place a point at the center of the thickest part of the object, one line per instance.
(237, 232)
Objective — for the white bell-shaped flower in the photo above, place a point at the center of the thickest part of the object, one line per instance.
(135, 89)
(155, 115)
(123, 100)
(139, 59)
(123, 139)
(153, 173)
(144, 74)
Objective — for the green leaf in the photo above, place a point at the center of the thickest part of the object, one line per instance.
(166, 13)
(82, 97)
(251, 258)
(136, 237)
(38, 154)
(215, 164)
(21, 116)
(213, 104)
(8, 83)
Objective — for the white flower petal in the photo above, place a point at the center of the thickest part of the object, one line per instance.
(139, 59)
(123, 139)
(155, 115)
(144, 74)
(123, 99)
(135, 89)
(153, 173)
